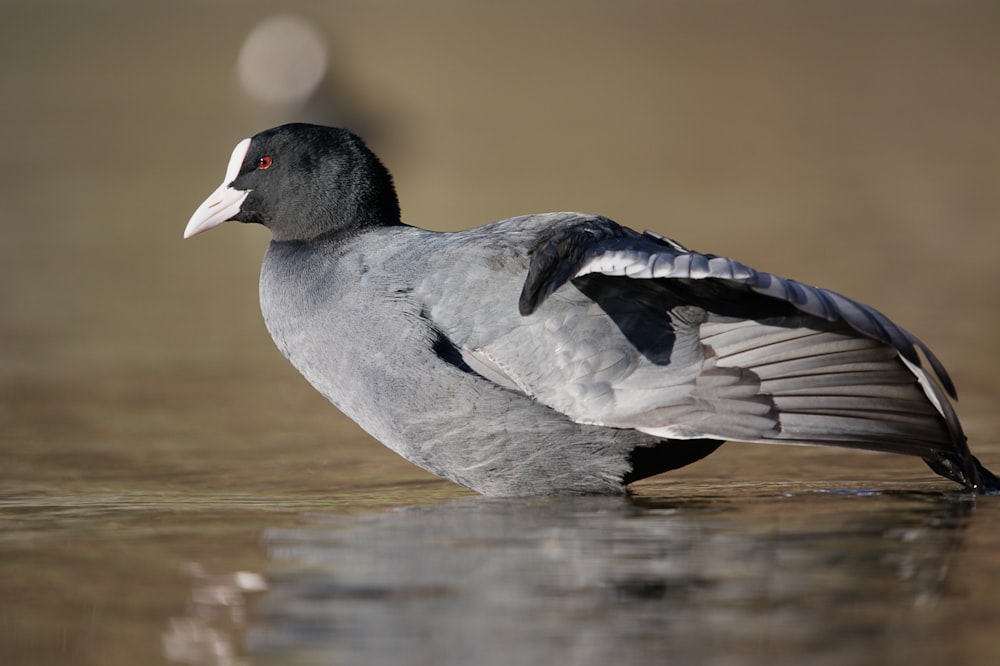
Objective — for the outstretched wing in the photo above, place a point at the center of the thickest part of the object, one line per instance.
(708, 347)
(604, 247)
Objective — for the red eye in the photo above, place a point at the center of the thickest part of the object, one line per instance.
(264, 162)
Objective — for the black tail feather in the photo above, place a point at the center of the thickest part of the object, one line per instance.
(975, 477)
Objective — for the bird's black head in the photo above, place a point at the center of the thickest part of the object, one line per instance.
(302, 181)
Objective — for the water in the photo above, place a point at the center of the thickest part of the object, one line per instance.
(172, 492)
(753, 578)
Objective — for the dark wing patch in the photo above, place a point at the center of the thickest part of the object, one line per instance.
(558, 257)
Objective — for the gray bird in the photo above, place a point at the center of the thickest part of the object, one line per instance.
(561, 353)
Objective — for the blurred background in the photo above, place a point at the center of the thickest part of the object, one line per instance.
(851, 144)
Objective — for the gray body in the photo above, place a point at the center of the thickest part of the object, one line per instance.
(417, 337)
(361, 321)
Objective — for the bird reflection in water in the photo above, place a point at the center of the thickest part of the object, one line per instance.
(586, 580)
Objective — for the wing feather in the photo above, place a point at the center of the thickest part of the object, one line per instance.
(710, 347)
(615, 251)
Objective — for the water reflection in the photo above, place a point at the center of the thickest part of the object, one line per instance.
(600, 580)
(216, 616)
